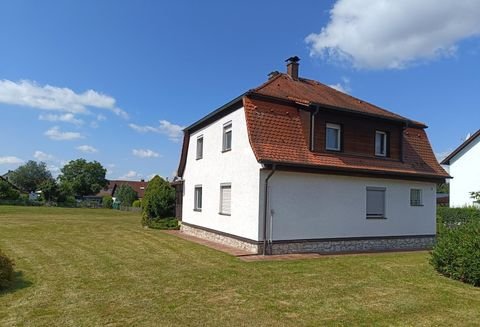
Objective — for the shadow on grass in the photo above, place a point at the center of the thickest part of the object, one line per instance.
(19, 283)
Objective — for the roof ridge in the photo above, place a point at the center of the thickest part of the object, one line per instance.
(464, 144)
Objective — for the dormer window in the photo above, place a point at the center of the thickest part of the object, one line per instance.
(333, 137)
(380, 144)
(200, 147)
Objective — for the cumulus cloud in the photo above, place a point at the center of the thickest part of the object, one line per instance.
(64, 118)
(42, 156)
(10, 160)
(344, 86)
(131, 175)
(379, 34)
(56, 134)
(172, 131)
(145, 153)
(30, 94)
(87, 149)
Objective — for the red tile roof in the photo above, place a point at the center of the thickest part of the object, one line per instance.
(138, 186)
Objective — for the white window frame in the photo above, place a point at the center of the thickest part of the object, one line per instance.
(339, 136)
(376, 215)
(383, 135)
(416, 202)
(221, 211)
(199, 153)
(197, 201)
(227, 128)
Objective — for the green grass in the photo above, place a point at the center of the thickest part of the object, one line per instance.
(94, 267)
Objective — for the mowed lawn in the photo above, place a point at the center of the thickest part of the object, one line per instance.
(94, 267)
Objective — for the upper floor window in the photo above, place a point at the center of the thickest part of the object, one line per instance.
(333, 137)
(380, 143)
(227, 137)
(200, 147)
(416, 197)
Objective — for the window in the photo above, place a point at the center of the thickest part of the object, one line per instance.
(225, 199)
(416, 197)
(200, 147)
(333, 137)
(227, 137)
(380, 144)
(197, 206)
(376, 202)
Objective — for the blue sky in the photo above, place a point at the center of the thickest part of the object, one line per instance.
(115, 81)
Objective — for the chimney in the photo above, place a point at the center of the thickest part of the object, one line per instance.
(292, 67)
(142, 180)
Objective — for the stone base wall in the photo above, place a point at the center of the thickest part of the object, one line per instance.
(319, 246)
(222, 239)
(355, 245)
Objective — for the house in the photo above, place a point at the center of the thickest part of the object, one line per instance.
(113, 185)
(296, 166)
(464, 163)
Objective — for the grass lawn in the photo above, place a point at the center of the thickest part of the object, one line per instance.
(94, 267)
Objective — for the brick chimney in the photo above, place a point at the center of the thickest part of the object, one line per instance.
(292, 67)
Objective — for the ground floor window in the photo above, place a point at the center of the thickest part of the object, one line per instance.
(225, 199)
(376, 202)
(416, 197)
(198, 198)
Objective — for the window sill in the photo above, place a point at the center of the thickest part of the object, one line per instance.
(376, 217)
(197, 210)
(333, 150)
(224, 214)
(416, 205)
(226, 150)
(198, 158)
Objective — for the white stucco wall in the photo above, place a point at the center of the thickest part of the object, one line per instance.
(465, 170)
(327, 206)
(238, 167)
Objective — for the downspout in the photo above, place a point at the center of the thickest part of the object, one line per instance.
(265, 209)
(312, 127)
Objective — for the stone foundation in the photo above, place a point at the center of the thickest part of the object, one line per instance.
(327, 246)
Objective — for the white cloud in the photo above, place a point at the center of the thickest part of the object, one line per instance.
(344, 86)
(379, 34)
(10, 160)
(174, 132)
(42, 156)
(87, 149)
(53, 98)
(65, 118)
(131, 175)
(54, 133)
(145, 153)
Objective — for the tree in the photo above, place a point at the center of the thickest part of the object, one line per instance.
(475, 196)
(7, 192)
(82, 177)
(158, 201)
(126, 195)
(29, 176)
(50, 190)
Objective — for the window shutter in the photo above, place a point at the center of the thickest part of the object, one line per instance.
(375, 202)
(226, 199)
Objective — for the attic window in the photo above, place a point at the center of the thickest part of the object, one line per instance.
(333, 137)
(380, 144)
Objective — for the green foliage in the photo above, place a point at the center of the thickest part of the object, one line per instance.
(457, 252)
(126, 195)
(455, 216)
(137, 203)
(7, 192)
(475, 196)
(163, 223)
(107, 202)
(83, 178)
(443, 188)
(159, 200)
(50, 190)
(29, 176)
(6, 270)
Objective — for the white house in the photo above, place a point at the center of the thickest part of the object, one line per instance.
(296, 166)
(464, 166)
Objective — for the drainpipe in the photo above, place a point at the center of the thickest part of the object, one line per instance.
(312, 127)
(265, 209)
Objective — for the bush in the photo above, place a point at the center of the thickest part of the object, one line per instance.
(7, 192)
(6, 271)
(163, 223)
(159, 200)
(107, 202)
(137, 204)
(456, 216)
(126, 195)
(457, 251)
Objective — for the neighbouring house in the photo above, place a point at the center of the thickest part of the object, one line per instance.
(296, 166)
(113, 185)
(464, 166)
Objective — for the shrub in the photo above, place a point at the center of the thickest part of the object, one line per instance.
(137, 204)
(456, 216)
(126, 195)
(6, 271)
(159, 200)
(7, 192)
(163, 223)
(457, 251)
(107, 202)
